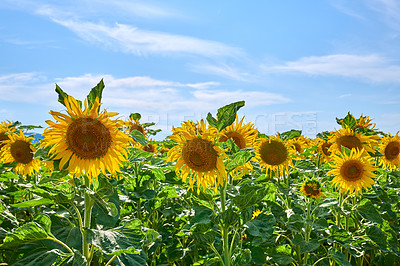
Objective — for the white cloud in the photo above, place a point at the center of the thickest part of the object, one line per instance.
(129, 39)
(368, 67)
(389, 10)
(223, 70)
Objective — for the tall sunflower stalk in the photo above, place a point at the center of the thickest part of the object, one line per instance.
(87, 143)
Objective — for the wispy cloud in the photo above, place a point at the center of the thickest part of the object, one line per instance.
(348, 8)
(367, 67)
(389, 9)
(223, 70)
(129, 39)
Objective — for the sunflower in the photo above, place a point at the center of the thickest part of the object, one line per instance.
(365, 122)
(244, 136)
(352, 172)
(134, 124)
(350, 139)
(18, 148)
(197, 156)
(5, 129)
(389, 147)
(323, 150)
(256, 213)
(274, 154)
(312, 189)
(300, 144)
(152, 148)
(86, 142)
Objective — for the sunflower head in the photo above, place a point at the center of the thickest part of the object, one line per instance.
(352, 172)
(6, 128)
(19, 149)
(244, 135)
(86, 142)
(299, 144)
(256, 213)
(196, 155)
(312, 189)
(151, 147)
(389, 147)
(133, 123)
(350, 139)
(365, 122)
(274, 154)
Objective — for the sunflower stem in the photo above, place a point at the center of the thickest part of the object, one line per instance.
(86, 226)
(307, 227)
(224, 228)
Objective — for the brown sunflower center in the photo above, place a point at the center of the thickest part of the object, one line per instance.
(352, 170)
(21, 152)
(236, 137)
(298, 148)
(325, 148)
(199, 155)
(350, 142)
(3, 137)
(273, 153)
(137, 127)
(149, 148)
(392, 150)
(88, 138)
(311, 189)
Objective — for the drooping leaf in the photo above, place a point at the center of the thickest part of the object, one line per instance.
(305, 246)
(33, 203)
(239, 158)
(139, 137)
(249, 195)
(29, 232)
(368, 211)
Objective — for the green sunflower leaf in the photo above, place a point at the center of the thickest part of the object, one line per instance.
(135, 116)
(27, 233)
(226, 115)
(95, 92)
(62, 95)
(33, 203)
(239, 158)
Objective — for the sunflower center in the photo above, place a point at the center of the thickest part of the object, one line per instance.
(298, 147)
(352, 170)
(325, 148)
(236, 137)
(21, 152)
(136, 127)
(199, 155)
(151, 148)
(392, 150)
(311, 189)
(88, 138)
(350, 142)
(273, 153)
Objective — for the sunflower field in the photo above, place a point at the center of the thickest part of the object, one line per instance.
(98, 190)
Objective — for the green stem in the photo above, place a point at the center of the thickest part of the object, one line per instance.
(61, 243)
(224, 228)
(109, 262)
(86, 226)
(307, 227)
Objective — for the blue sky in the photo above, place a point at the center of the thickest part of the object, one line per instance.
(297, 64)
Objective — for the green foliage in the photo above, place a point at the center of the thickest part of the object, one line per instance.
(225, 116)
